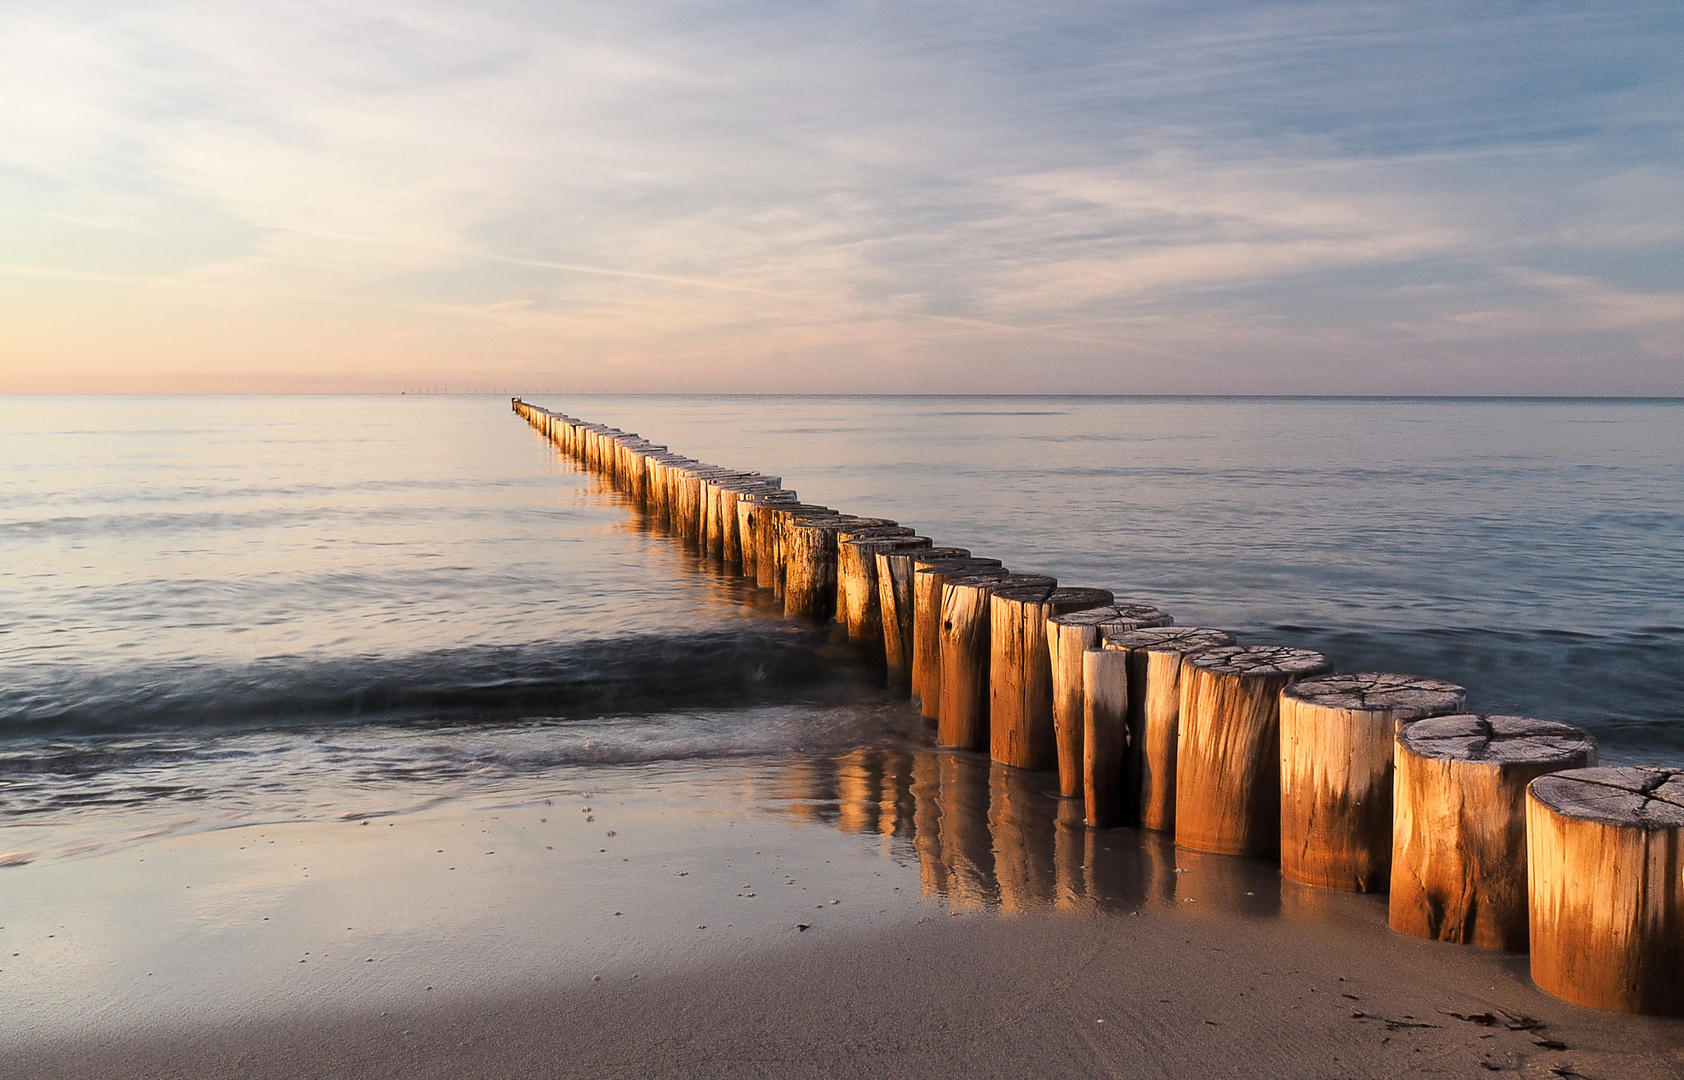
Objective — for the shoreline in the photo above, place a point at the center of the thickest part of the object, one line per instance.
(973, 927)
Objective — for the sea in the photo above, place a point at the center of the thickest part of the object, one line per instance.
(215, 609)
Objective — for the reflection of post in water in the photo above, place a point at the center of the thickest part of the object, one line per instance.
(1158, 862)
(1308, 904)
(856, 791)
(895, 804)
(926, 822)
(1220, 884)
(807, 789)
(1019, 816)
(1074, 854)
(965, 845)
(726, 586)
(874, 793)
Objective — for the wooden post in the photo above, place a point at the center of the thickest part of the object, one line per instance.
(713, 517)
(1069, 636)
(1105, 710)
(809, 545)
(1154, 717)
(857, 594)
(895, 603)
(730, 543)
(687, 522)
(965, 636)
(655, 487)
(1604, 851)
(770, 558)
(719, 516)
(868, 529)
(1020, 688)
(1459, 823)
(1337, 739)
(753, 519)
(810, 553)
(1228, 769)
(640, 475)
(929, 577)
(740, 496)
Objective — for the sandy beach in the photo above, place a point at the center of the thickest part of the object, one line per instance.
(887, 912)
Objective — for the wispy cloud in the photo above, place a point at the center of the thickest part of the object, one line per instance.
(1147, 196)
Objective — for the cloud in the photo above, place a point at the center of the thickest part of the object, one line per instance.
(747, 196)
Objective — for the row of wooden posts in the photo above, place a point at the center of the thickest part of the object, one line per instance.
(1490, 830)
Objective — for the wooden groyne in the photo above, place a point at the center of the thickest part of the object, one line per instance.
(1487, 830)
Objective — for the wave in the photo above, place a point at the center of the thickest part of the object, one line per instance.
(577, 679)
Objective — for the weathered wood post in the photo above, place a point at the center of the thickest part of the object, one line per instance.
(1605, 852)
(850, 593)
(895, 604)
(966, 638)
(730, 544)
(640, 475)
(754, 514)
(1069, 636)
(745, 528)
(1020, 685)
(809, 546)
(1338, 733)
(810, 552)
(1154, 718)
(655, 487)
(1459, 823)
(1228, 768)
(929, 577)
(687, 522)
(858, 597)
(736, 497)
(720, 514)
(1105, 712)
(770, 558)
(713, 516)
(1155, 666)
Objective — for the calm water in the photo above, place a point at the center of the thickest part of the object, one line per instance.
(211, 608)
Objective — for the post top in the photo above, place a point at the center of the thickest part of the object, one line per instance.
(874, 544)
(958, 567)
(1026, 588)
(1121, 616)
(930, 554)
(1260, 660)
(1498, 739)
(979, 578)
(1634, 797)
(1409, 697)
(1168, 639)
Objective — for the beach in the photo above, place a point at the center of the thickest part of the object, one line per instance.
(888, 913)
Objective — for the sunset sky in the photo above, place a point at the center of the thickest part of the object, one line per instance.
(1319, 197)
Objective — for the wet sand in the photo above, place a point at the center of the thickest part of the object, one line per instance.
(889, 912)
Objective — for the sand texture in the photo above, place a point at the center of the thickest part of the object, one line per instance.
(653, 927)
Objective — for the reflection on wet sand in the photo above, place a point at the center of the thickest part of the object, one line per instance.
(985, 835)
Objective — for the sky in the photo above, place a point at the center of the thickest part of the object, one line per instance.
(699, 196)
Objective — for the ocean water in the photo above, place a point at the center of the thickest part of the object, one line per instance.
(214, 609)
